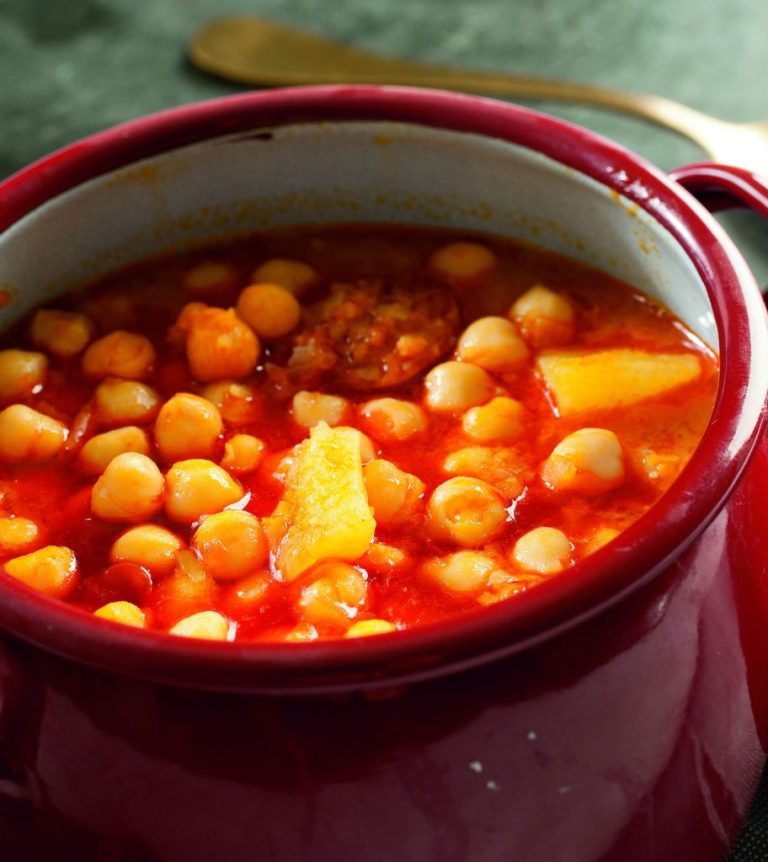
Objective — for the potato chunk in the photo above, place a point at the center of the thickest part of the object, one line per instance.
(325, 511)
(580, 382)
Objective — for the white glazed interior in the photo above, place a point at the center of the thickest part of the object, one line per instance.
(341, 172)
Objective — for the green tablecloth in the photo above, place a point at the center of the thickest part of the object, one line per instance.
(71, 67)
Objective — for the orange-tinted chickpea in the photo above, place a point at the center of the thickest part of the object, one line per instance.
(148, 545)
(309, 408)
(22, 373)
(187, 426)
(210, 277)
(95, 455)
(243, 453)
(51, 570)
(393, 418)
(18, 536)
(120, 354)
(544, 550)
(205, 625)
(270, 310)
(493, 343)
(231, 544)
(125, 613)
(463, 571)
(394, 494)
(366, 628)
(466, 511)
(26, 434)
(501, 420)
(293, 275)
(220, 345)
(334, 596)
(545, 318)
(125, 402)
(463, 261)
(198, 487)
(238, 403)
(456, 386)
(62, 333)
(130, 489)
(589, 461)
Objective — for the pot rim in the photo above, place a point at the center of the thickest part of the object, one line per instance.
(638, 554)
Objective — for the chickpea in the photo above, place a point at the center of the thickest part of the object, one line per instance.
(206, 625)
(383, 558)
(188, 590)
(367, 449)
(243, 454)
(231, 544)
(125, 402)
(366, 628)
(463, 261)
(187, 426)
(545, 318)
(96, 453)
(544, 550)
(63, 333)
(120, 354)
(270, 310)
(246, 595)
(26, 434)
(466, 511)
(51, 570)
(293, 275)
(130, 489)
(393, 494)
(210, 277)
(197, 487)
(501, 420)
(220, 345)
(147, 545)
(238, 403)
(589, 461)
(309, 408)
(456, 386)
(393, 419)
(463, 571)
(122, 612)
(302, 633)
(501, 466)
(335, 596)
(18, 536)
(179, 332)
(22, 373)
(493, 343)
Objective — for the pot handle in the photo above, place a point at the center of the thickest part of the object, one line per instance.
(721, 187)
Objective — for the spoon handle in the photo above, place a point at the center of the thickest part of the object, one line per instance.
(257, 52)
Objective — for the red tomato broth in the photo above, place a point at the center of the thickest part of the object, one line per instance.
(147, 298)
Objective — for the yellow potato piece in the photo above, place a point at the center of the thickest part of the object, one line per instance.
(325, 512)
(580, 382)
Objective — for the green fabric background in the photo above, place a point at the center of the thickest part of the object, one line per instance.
(72, 67)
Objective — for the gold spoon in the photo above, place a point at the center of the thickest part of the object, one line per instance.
(257, 52)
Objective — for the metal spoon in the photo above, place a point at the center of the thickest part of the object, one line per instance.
(257, 52)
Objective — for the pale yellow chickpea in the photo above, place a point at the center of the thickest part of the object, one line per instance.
(28, 435)
(453, 387)
(205, 625)
(220, 345)
(187, 426)
(309, 408)
(147, 545)
(231, 544)
(125, 402)
(462, 572)
(366, 628)
(589, 461)
(270, 310)
(51, 570)
(243, 453)
(545, 318)
(18, 536)
(463, 261)
(501, 420)
(198, 487)
(130, 489)
(95, 455)
(120, 354)
(294, 275)
(238, 403)
(393, 494)
(467, 511)
(543, 549)
(126, 613)
(62, 333)
(22, 373)
(393, 418)
(210, 276)
(493, 343)
(335, 595)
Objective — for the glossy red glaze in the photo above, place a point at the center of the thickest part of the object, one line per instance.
(620, 714)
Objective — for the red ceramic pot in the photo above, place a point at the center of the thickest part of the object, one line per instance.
(617, 713)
